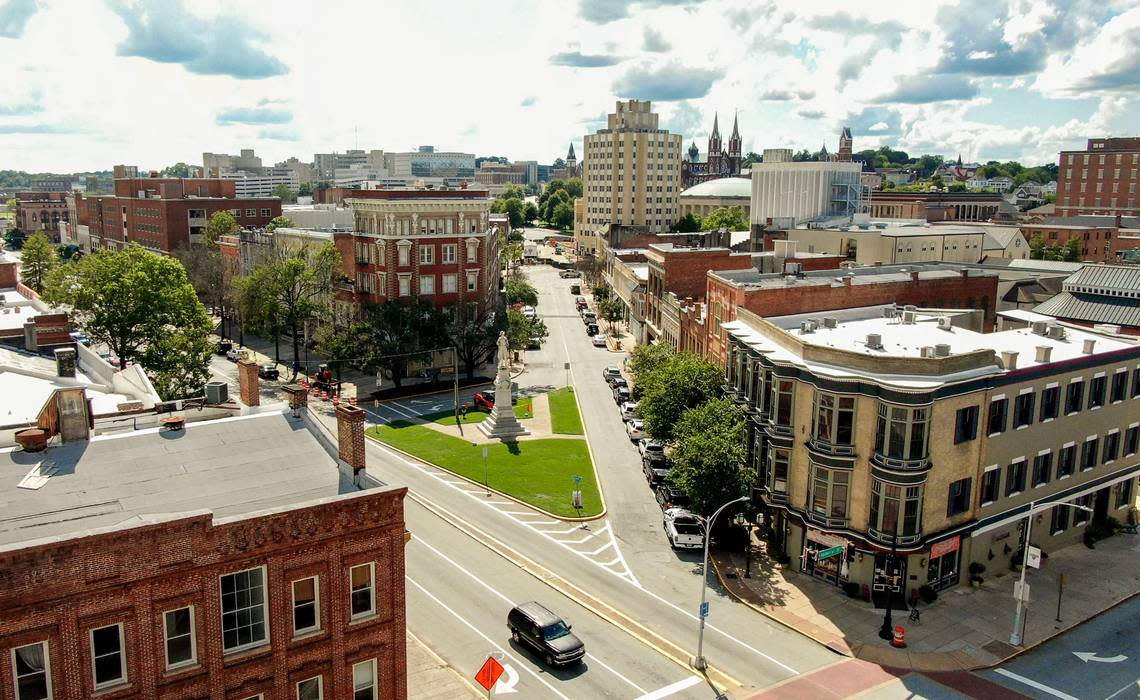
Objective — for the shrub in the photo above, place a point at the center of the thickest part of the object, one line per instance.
(927, 594)
(977, 568)
(851, 589)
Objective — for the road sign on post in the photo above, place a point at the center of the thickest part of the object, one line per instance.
(489, 674)
(1033, 557)
(829, 552)
(705, 609)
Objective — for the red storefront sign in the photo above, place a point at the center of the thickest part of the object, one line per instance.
(945, 546)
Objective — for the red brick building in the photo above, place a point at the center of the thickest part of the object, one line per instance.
(41, 210)
(926, 286)
(1100, 236)
(435, 244)
(263, 570)
(163, 214)
(1102, 179)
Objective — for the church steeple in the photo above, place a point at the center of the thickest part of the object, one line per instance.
(571, 159)
(735, 146)
(716, 126)
(716, 151)
(735, 129)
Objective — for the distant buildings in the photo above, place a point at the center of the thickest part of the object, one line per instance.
(1102, 179)
(632, 173)
(264, 183)
(707, 197)
(789, 193)
(1102, 238)
(935, 206)
(572, 168)
(218, 164)
(1099, 296)
(42, 210)
(717, 162)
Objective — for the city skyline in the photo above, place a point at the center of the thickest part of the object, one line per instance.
(1032, 81)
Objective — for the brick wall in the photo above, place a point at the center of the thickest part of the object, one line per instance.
(60, 590)
(350, 435)
(249, 386)
(8, 274)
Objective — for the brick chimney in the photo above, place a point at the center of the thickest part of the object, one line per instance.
(249, 386)
(350, 436)
(298, 397)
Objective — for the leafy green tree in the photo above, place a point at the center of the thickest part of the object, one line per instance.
(1071, 252)
(40, 258)
(689, 223)
(14, 238)
(928, 164)
(520, 330)
(558, 164)
(750, 158)
(141, 306)
(513, 207)
(936, 181)
(519, 291)
(300, 283)
(730, 218)
(221, 223)
(646, 358)
(1037, 247)
(709, 459)
(530, 212)
(563, 216)
(574, 187)
(392, 334)
(473, 331)
(305, 189)
(684, 381)
(513, 192)
(209, 274)
(888, 185)
(612, 310)
(179, 169)
(957, 187)
(278, 222)
(285, 194)
(258, 308)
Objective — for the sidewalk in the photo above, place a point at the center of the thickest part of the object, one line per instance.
(965, 629)
(430, 678)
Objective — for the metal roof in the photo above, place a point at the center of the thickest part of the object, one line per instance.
(1093, 308)
(1111, 280)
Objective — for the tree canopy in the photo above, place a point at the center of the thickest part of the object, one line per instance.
(279, 222)
(729, 218)
(285, 194)
(221, 223)
(474, 332)
(681, 382)
(141, 305)
(521, 330)
(520, 291)
(40, 258)
(689, 223)
(709, 459)
(389, 336)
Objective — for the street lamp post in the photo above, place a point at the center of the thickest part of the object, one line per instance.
(698, 662)
(887, 631)
(1016, 637)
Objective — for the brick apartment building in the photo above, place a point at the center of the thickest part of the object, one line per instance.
(1102, 179)
(248, 565)
(41, 210)
(163, 214)
(435, 244)
(940, 285)
(1100, 236)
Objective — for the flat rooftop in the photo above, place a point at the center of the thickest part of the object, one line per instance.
(231, 467)
(27, 380)
(867, 274)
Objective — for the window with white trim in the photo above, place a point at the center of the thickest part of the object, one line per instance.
(1111, 449)
(1088, 454)
(829, 492)
(448, 252)
(364, 680)
(31, 671)
(449, 284)
(311, 689)
(472, 251)
(306, 605)
(362, 581)
(404, 254)
(244, 609)
(1015, 478)
(1119, 386)
(427, 254)
(991, 481)
(1096, 391)
(405, 284)
(108, 658)
(178, 629)
(472, 280)
(427, 284)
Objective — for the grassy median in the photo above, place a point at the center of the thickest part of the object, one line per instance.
(564, 418)
(538, 472)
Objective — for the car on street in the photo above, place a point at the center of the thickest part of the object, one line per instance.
(629, 410)
(599, 340)
(650, 446)
(576, 288)
(635, 429)
(268, 371)
(621, 395)
(234, 354)
(222, 347)
(589, 317)
(591, 329)
(533, 625)
(669, 496)
(618, 381)
(580, 304)
(655, 467)
(609, 373)
(684, 530)
(484, 400)
(569, 274)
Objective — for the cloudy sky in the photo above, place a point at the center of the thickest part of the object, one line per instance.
(91, 83)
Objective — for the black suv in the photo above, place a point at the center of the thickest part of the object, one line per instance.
(546, 633)
(656, 467)
(669, 496)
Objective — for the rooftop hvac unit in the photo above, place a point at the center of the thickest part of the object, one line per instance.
(942, 350)
(909, 307)
(888, 312)
(1044, 353)
(217, 392)
(874, 341)
(944, 323)
(908, 317)
(1039, 327)
(926, 352)
(806, 327)
(830, 322)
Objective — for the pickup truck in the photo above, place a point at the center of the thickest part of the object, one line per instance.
(683, 529)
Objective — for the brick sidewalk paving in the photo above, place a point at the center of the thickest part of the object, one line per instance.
(966, 628)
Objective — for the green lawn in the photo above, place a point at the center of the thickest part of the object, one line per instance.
(537, 472)
(523, 409)
(564, 418)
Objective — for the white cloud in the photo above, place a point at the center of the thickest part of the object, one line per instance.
(1108, 60)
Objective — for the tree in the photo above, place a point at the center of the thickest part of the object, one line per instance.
(957, 187)
(646, 358)
(305, 189)
(392, 334)
(221, 223)
(530, 212)
(574, 187)
(299, 283)
(14, 238)
(211, 276)
(1072, 252)
(926, 165)
(684, 381)
(520, 330)
(179, 169)
(513, 207)
(563, 216)
(474, 332)
(558, 164)
(513, 192)
(519, 291)
(888, 185)
(689, 223)
(40, 258)
(612, 311)
(750, 158)
(730, 218)
(709, 460)
(936, 181)
(278, 222)
(142, 306)
(285, 194)
(1037, 247)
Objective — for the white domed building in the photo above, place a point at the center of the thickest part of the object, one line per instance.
(707, 197)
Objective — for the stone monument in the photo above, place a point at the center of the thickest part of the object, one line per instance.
(502, 422)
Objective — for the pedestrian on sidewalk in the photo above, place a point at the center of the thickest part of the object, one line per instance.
(296, 370)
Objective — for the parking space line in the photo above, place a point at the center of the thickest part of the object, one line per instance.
(603, 548)
(1034, 684)
(670, 689)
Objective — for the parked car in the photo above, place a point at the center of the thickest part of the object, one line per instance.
(621, 395)
(529, 312)
(655, 467)
(223, 347)
(684, 530)
(635, 429)
(268, 371)
(591, 329)
(589, 317)
(569, 274)
(575, 288)
(599, 340)
(629, 410)
(535, 626)
(235, 354)
(77, 337)
(669, 496)
(484, 400)
(647, 446)
(618, 381)
(489, 394)
(580, 303)
(609, 373)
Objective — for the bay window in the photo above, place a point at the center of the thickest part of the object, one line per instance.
(834, 422)
(887, 500)
(829, 493)
(782, 392)
(778, 469)
(901, 432)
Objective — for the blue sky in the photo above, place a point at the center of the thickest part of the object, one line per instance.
(93, 83)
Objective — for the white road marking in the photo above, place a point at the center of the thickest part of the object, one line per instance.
(490, 641)
(672, 688)
(601, 549)
(1034, 684)
(511, 603)
(1134, 684)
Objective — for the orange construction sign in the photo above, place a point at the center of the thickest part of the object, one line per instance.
(489, 674)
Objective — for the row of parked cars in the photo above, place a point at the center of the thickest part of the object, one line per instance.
(683, 529)
(590, 320)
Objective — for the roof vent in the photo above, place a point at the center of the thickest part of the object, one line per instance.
(1056, 332)
(888, 312)
(1039, 327)
(945, 323)
(910, 307)
(1088, 346)
(1044, 352)
(874, 341)
(830, 322)
(806, 327)
(942, 350)
(1009, 359)
(926, 352)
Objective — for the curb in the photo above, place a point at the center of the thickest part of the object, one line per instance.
(496, 491)
(477, 692)
(589, 445)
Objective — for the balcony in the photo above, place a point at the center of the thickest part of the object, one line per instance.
(886, 537)
(902, 465)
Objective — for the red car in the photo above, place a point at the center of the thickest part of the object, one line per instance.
(483, 401)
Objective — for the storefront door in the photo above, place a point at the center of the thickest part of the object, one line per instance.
(889, 580)
(944, 561)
